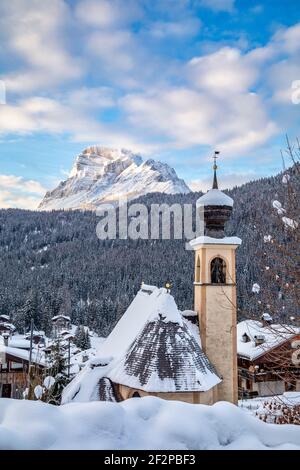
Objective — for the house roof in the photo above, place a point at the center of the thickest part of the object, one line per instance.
(106, 390)
(8, 326)
(165, 356)
(152, 348)
(62, 317)
(37, 356)
(273, 335)
(131, 323)
(5, 317)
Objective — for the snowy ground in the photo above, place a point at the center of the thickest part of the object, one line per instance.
(139, 423)
(254, 404)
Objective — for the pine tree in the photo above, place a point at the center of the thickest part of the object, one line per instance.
(58, 370)
(87, 344)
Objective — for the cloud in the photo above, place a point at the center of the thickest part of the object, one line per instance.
(218, 5)
(158, 101)
(225, 181)
(116, 50)
(87, 97)
(186, 27)
(235, 123)
(107, 13)
(40, 114)
(16, 191)
(222, 72)
(33, 32)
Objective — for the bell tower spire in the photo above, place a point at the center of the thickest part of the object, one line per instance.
(215, 288)
(215, 167)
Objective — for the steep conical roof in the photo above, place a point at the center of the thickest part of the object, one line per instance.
(165, 356)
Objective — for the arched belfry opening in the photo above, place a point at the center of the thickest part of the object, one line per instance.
(218, 271)
(136, 395)
(198, 270)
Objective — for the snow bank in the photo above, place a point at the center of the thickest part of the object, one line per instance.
(139, 423)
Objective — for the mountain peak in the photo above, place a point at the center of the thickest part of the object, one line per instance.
(95, 158)
(101, 174)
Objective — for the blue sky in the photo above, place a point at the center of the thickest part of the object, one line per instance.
(172, 79)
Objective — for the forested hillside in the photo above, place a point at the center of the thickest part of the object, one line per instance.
(54, 262)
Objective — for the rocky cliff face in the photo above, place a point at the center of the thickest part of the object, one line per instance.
(102, 175)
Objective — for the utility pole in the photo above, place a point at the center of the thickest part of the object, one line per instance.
(69, 357)
(31, 341)
(30, 356)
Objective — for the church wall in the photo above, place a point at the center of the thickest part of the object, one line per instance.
(206, 398)
(221, 338)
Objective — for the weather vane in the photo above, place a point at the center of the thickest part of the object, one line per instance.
(215, 167)
(215, 159)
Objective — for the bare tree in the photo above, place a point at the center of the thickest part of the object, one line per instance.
(278, 296)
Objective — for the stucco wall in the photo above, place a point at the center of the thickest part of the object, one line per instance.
(216, 307)
(206, 398)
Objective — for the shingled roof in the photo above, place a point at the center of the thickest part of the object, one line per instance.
(153, 348)
(165, 356)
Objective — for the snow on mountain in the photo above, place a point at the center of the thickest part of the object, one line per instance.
(102, 175)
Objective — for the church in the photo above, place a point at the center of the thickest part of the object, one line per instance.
(157, 350)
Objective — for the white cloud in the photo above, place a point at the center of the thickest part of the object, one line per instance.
(219, 5)
(116, 50)
(187, 117)
(226, 181)
(186, 27)
(33, 31)
(107, 13)
(288, 39)
(222, 72)
(85, 97)
(16, 191)
(39, 114)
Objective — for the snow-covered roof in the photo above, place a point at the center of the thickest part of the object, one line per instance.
(37, 356)
(205, 240)
(214, 197)
(5, 317)
(64, 317)
(189, 313)
(19, 342)
(85, 385)
(131, 323)
(274, 335)
(165, 357)
(35, 333)
(8, 326)
(172, 352)
(64, 332)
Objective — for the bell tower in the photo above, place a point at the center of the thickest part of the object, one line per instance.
(215, 288)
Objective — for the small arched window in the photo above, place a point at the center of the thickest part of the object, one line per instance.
(198, 270)
(218, 271)
(136, 395)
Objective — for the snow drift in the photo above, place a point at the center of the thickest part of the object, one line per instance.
(139, 423)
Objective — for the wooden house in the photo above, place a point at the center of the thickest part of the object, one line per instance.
(265, 358)
(14, 363)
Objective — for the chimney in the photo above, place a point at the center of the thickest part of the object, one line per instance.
(246, 338)
(5, 338)
(259, 339)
